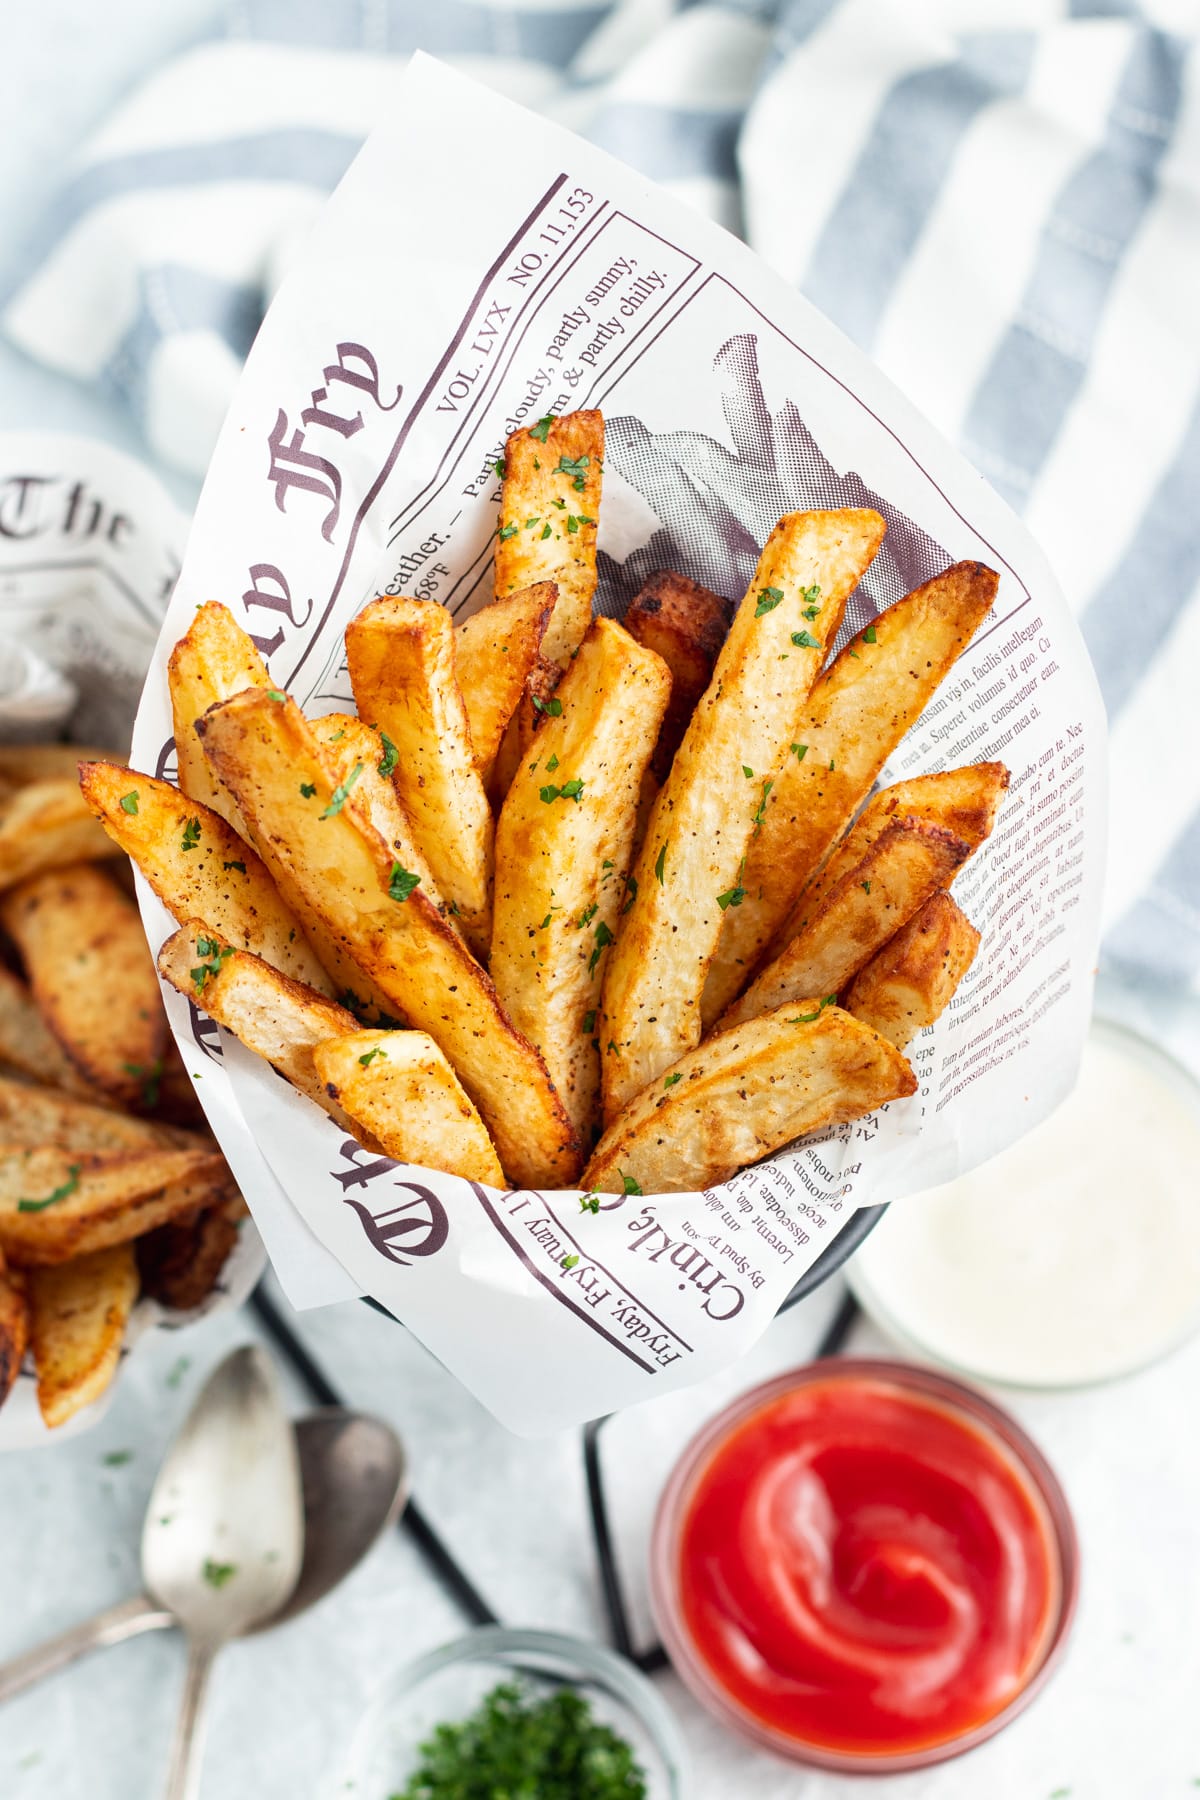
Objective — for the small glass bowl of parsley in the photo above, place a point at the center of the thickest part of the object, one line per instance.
(516, 1715)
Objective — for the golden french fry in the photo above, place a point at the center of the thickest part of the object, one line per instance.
(401, 1091)
(964, 801)
(907, 863)
(57, 1204)
(686, 625)
(535, 704)
(495, 651)
(180, 1263)
(79, 1312)
(327, 851)
(91, 975)
(14, 1326)
(400, 654)
(28, 1044)
(212, 660)
(743, 1094)
(47, 825)
(690, 868)
(34, 1116)
(563, 843)
(277, 1018)
(549, 505)
(199, 867)
(863, 704)
(912, 980)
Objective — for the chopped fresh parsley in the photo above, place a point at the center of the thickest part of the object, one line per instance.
(505, 532)
(150, 1078)
(629, 1184)
(768, 600)
(812, 1017)
(589, 1203)
(869, 636)
(368, 1056)
(60, 1193)
(670, 1080)
(631, 888)
(191, 835)
(274, 694)
(799, 751)
(604, 937)
(551, 707)
(731, 897)
(391, 755)
(129, 802)
(498, 467)
(218, 1573)
(308, 789)
(569, 1262)
(760, 811)
(239, 866)
(586, 916)
(865, 886)
(214, 954)
(552, 765)
(402, 882)
(747, 772)
(804, 640)
(116, 1459)
(541, 430)
(341, 792)
(660, 866)
(575, 469)
(589, 1022)
(545, 533)
(570, 790)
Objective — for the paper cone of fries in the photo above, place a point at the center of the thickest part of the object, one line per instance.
(636, 786)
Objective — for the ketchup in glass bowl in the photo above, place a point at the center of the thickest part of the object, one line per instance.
(863, 1566)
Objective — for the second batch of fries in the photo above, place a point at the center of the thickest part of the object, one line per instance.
(573, 903)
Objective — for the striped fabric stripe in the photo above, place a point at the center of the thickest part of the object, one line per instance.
(998, 197)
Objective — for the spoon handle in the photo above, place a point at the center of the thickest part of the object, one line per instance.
(187, 1748)
(125, 1620)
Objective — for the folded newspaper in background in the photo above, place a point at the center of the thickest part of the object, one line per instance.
(90, 547)
(477, 269)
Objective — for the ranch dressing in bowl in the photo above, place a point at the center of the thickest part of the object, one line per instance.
(1071, 1258)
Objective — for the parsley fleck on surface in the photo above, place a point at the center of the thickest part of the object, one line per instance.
(768, 600)
(804, 640)
(660, 866)
(218, 1573)
(541, 430)
(526, 1746)
(191, 835)
(869, 635)
(341, 792)
(368, 1056)
(402, 882)
(60, 1193)
(629, 1184)
(391, 755)
(129, 802)
(308, 789)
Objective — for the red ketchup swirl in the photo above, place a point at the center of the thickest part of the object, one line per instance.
(866, 1571)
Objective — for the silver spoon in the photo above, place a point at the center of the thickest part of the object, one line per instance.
(224, 1537)
(355, 1481)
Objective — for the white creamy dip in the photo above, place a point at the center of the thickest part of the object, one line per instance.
(1071, 1257)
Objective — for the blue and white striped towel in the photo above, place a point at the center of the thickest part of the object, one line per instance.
(999, 199)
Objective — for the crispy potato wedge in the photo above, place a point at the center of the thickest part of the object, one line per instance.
(400, 654)
(964, 801)
(28, 1044)
(403, 1093)
(535, 704)
(91, 975)
(21, 764)
(277, 1018)
(199, 867)
(907, 863)
(212, 660)
(494, 653)
(264, 750)
(743, 1094)
(180, 1263)
(56, 1204)
(912, 980)
(14, 1326)
(79, 1312)
(33, 1116)
(864, 703)
(549, 505)
(686, 625)
(48, 825)
(563, 844)
(691, 863)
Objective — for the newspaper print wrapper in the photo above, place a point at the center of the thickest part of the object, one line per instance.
(90, 545)
(477, 269)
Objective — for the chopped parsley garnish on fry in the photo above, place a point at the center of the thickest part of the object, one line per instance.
(239, 866)
(545, 532)
(60, 1193)
(341, 792)
(308, 789)
(575, 469)
(865, 886)
(799, 751)
(731, 897)
(551, 707)
(505, 532)
(768, 600)
(589, 1022)
(869, 636)
(660, 866)
(402, 882)
(586, 916)
(812, 1017)
(804, 640)
(129, 802)
(214, 954)
(631, 888)
(604, 937)
(191, 835)
(150, 1078)
(629, 1184)
(670, 1080)
(338, 736)
(747, 772)
(391, 755)
(498, 467)
(368, 1056)
(569, 1262)
(274, 694)
(218, 1573)
(570, 790)
(760, 812)
(552, 765)
(589, 1203)
(541, 430)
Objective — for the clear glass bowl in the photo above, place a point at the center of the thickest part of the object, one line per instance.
(925, 1385)
(449, 1683)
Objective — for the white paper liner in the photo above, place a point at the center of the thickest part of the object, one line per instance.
(476, 269)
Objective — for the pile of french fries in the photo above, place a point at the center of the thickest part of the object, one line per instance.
(572, 903)
(110, 1185)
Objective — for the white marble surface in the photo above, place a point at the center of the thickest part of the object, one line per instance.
(1121, 1720)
